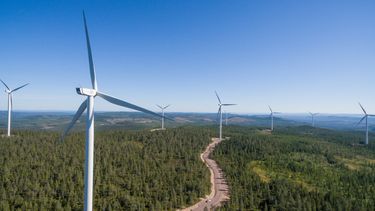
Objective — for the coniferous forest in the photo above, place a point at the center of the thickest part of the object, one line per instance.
(142, 170)
(294, 168)
(297, 168)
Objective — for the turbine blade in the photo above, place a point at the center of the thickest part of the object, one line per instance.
(165, 117)
(19, 87)
(78, 114)
(5, 84)
(159, 106)
(218, 113)
(226, 104)
(91, 63)
(166, 106)
(126, 104)
(270, 109)
(360, 121)
(364, 111)
(218, 98)
(168, 118)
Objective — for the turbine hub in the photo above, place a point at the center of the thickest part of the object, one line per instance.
(86, 92)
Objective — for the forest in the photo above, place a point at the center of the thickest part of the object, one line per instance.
(297, 168)
(294, 168)
(136, 170)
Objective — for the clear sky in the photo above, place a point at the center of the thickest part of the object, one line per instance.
(297, 56)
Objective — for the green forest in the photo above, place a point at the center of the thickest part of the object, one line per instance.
(141, 170)
(294, 168)
(297, 168)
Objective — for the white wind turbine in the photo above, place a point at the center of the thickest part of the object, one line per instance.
(88, 104)
(365, 117)
(313, 118)
(162, 111)
(10, 102)
(271, 115)
(221, 114)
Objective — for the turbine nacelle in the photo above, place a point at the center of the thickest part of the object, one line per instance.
(86, 92)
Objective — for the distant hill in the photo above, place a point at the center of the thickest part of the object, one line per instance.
(135, 120)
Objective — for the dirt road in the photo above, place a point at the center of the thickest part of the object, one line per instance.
(219, 188)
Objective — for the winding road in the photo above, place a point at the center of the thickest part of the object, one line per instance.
(219, 188)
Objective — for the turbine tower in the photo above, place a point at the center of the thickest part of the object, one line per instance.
(313, 118)
(365, 117)
(10, 103)
(271, 115)
(88, 104)
(221, 114)
(162, 111)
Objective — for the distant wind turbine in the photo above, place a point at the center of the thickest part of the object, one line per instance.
(88, 104)
(313, 118)
(365, 117)
(10, 102)
(221, 114)
(271, 115)
(162, 111)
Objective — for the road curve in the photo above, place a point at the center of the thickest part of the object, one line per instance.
(219, 188)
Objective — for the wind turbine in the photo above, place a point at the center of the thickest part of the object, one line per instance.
(10, 102)
(271, 115)
(162, 111)
(88, 104)
(365, 117)
(221, 114)
(312, 118)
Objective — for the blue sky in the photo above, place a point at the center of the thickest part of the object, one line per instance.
(296, 56)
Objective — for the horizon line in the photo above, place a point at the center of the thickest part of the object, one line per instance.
(196, 112)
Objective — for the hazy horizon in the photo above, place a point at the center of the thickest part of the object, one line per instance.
(190, 112)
